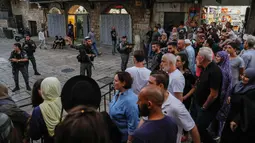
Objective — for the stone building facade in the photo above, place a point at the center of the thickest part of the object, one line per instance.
(30, 12)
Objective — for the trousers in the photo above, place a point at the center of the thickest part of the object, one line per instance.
(42, 44)
(24, 72)
(124, 61)
(32, 59)
(114, 44)
(86, 67)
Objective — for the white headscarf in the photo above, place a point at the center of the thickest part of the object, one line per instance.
(51, 106)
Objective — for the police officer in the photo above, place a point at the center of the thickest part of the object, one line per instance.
(124, 49)
(19, 61)
(29, 46)
(86, 56)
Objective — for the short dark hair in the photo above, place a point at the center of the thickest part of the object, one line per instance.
(172, 44)
(139, 55)
(125, 77)
(155, 43)
(184, 58)
(210, 42)
(82, 124)
(161, 78)
(234, 45)
(17, 45)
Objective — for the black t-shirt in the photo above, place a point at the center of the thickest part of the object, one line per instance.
(114, 35)
(211, 77)
(156, 61)
(155, 36)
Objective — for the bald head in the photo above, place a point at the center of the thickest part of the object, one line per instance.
(181, 44)
(153, 94)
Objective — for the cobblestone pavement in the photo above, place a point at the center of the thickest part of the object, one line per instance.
(51, 63)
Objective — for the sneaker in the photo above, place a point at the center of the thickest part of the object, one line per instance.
(37, 73)
(15, 89)
(28, 88)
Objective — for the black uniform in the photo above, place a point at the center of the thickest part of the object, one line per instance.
(124, 54)
(85, 60)
(29, 46)
(19, 66)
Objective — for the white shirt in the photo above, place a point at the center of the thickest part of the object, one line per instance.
(176, 82)
(41, 35)
(175, 109)
(140, 78)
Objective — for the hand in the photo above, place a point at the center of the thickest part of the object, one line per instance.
(14, 60)
(233, 126)
(228, 101)
(184, 98)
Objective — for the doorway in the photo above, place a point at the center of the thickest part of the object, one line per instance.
(79, 19)
(33, 28)
(115, 16)
(172, 19)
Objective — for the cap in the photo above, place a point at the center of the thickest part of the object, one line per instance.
(187, 41)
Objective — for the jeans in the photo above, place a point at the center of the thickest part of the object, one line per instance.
(203, 120)
(114, 44)
(24, 72)
(42, 44)
(86, 67)
(94, 49)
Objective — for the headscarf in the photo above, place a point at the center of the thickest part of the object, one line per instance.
(3, 91)
(51, 106)
(241, 88)
(226, 74)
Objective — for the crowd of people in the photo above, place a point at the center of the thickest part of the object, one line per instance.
(199, 87)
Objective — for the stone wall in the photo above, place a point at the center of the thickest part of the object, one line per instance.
(140, 16)
(251, 20)
(28, 14)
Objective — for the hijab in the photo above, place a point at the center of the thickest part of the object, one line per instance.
(225, 67)
(51, 106)
(241, 88)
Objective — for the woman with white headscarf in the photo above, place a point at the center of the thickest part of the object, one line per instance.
(46, 116)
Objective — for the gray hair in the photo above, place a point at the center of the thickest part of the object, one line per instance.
(250, 41)
(171, 58)
(207, 53)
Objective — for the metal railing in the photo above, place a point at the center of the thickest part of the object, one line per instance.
(104, 96)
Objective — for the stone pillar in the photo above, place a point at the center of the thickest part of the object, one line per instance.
(251, 20)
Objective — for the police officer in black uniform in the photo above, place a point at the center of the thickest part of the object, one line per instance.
(124, 48)
(19, 61)
(86, 57)
(29, 46)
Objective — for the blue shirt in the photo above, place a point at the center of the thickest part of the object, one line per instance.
(249, 58)
(124, 112)
(157, 131)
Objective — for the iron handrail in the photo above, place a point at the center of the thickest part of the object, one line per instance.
(110, 84)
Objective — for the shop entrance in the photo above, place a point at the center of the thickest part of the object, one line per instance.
(78, 17)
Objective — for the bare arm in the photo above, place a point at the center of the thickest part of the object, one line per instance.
(195, 135)
(189, 93)
(178, 95)
(210, 99)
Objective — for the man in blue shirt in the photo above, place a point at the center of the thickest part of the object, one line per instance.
(158, 128)
(249, 55)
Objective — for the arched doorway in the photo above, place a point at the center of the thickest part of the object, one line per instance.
(78, 17)
(56, 22)
(118, 17)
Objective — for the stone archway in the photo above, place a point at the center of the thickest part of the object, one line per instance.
(78, 19)
(115, 16)
(54, 10)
